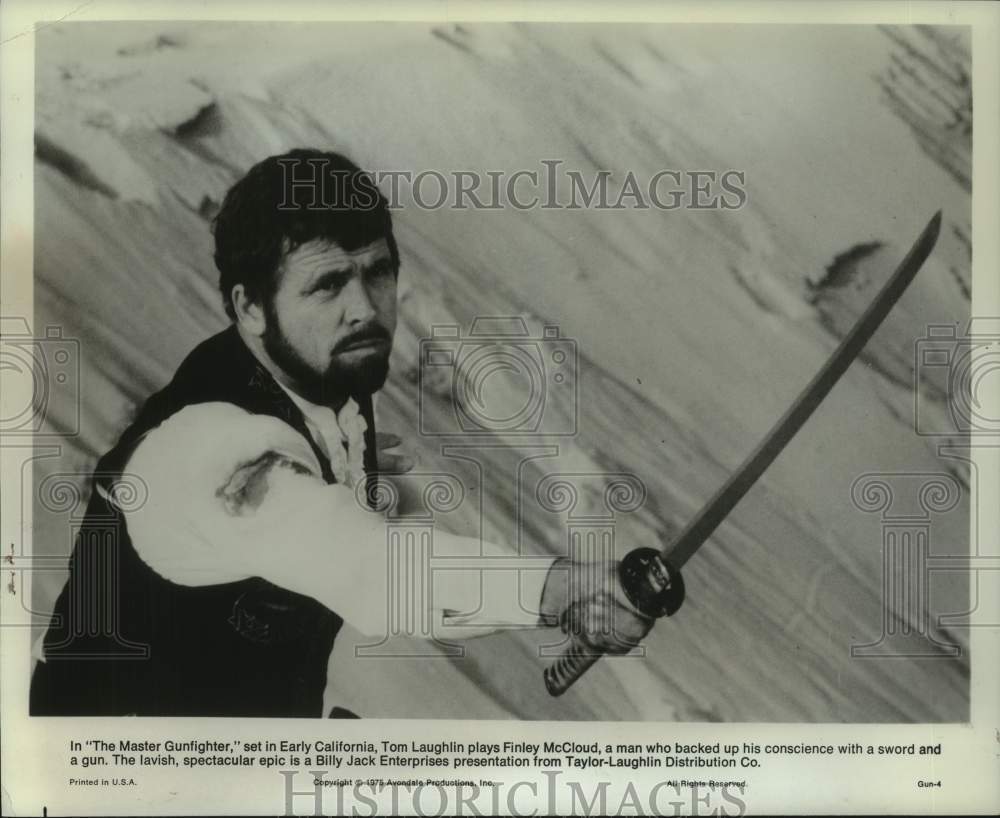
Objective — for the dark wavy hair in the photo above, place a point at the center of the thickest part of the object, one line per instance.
(264, 216)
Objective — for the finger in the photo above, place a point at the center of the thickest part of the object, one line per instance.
(620, 638)
(590, 616)
(612, 628)
(387, 440)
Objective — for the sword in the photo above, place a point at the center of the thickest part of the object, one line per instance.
(651, 581)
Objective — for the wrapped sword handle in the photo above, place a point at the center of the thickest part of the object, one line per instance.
(652, 586)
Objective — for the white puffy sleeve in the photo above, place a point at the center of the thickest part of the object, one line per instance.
(233, 495)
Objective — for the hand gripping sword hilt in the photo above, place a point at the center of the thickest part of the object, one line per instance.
(650, 585)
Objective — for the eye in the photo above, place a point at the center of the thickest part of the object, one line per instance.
(330, 283)
(379, 271)
(326, 288)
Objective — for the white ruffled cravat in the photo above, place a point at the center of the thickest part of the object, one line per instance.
(341, 436)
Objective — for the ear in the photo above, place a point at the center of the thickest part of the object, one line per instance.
(249, 311)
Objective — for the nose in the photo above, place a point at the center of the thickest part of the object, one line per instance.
(358, 304)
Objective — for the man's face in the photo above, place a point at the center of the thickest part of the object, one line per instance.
(332, 318)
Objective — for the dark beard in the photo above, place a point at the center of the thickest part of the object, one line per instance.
(329, 387)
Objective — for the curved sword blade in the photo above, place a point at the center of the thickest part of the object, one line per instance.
(715, 510)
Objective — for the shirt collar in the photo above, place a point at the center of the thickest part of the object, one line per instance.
(323, 416)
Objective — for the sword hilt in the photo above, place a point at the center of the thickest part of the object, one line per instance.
(653, 588)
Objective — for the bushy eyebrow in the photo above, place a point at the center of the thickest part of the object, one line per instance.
(340, 275)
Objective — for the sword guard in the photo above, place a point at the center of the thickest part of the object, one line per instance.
(651, 584)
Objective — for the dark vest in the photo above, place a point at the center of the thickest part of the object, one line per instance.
(125, 641)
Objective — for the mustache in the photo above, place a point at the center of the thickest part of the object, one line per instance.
(373, 332)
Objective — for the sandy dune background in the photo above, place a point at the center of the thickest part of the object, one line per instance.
(695, 328)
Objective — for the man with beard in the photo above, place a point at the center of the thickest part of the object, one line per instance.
(222, 591)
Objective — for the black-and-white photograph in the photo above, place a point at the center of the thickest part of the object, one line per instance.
(517, 371)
